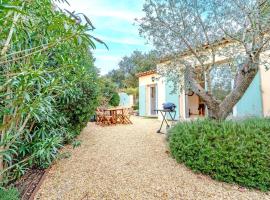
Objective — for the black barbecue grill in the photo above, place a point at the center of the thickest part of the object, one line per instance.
(167, 108)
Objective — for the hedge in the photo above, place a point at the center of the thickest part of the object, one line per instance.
(233, 152)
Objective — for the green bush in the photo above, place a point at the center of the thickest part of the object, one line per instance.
(234, 152)
(9, 194)
(115, 100)
(49, 86)
(136, 106)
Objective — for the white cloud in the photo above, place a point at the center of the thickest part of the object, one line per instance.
(122, 40)
(123, 15)
(108, 58)
(106, 63)
(97, 9)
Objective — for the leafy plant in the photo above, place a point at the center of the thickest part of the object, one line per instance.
(76, 143)
(108, 91)
(115, 100)
(234, 152)
(49, 86)
(9, 194)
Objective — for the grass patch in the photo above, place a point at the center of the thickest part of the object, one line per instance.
(233, 152)
(9, 194)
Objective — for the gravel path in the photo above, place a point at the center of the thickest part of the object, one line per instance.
(130, 162)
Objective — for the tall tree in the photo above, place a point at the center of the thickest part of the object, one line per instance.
(199, 28)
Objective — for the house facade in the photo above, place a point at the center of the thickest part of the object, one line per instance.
(154, 90)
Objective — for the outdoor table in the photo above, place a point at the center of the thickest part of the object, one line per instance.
(172, 114)
(113, 113)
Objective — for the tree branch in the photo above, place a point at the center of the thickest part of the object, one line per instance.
(6, 45)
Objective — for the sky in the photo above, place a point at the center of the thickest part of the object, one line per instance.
(114, 22)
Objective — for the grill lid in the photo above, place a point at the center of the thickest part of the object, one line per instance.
(169, 106)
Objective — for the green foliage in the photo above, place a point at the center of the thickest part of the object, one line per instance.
(129, 66)
(115, 100)
(108, 90)
(132, 91)
(234, 152)
(136, 106)
(76, 143)
(48, 83)
(9, 194)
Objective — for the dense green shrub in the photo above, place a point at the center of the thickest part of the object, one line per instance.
(9, 194)
(48, 83)
(115, 100)
(234, 152)
(109, 93)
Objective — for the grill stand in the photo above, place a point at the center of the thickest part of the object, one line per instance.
(164, 113)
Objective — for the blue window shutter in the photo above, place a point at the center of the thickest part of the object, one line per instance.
(142, 100)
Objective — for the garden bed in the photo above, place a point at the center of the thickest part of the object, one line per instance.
(29, 184)
(233, 152)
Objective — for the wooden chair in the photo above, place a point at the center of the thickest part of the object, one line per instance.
(108, 119)
(126, 116)
(99, 116)
(119, 117)
(103, 118)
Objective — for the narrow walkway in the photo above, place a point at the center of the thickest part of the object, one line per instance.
(130, 162)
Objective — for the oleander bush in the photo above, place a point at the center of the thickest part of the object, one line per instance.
(229, 151)
(49, 86)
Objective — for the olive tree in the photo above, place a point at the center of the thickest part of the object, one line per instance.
(195, 35)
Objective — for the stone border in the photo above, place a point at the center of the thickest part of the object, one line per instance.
(41, 180)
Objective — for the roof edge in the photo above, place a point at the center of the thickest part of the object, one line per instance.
(146, 73)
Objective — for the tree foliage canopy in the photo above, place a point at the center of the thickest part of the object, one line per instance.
(129, 66)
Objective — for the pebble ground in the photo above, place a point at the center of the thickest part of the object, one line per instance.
(130, 162)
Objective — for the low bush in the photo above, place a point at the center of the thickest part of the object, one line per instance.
(233, 152)
(115, 100)
(9, 194)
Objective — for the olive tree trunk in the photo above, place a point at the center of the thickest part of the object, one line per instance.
(220, 110)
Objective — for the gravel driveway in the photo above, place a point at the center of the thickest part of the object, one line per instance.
(130, 162)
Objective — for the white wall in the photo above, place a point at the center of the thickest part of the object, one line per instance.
(147, 81)
(265, 84)
(161, 94)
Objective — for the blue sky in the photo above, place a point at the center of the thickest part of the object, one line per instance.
(114, 22)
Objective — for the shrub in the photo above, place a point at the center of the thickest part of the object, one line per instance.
(110, 96)
(9, 194)
(48, 83)
(115, 100)
(234, 152)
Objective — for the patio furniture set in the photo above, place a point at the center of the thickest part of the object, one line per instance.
(113, 116)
